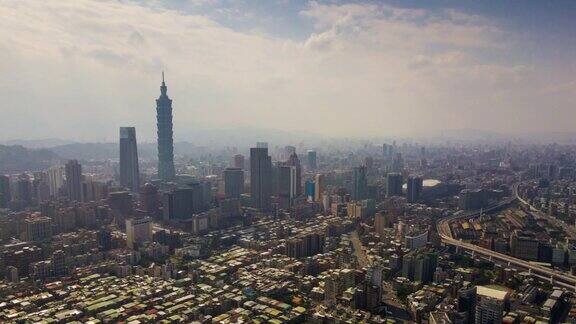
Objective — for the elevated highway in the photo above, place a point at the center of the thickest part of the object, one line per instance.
(556, 277)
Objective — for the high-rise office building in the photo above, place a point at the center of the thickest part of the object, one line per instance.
(24, 189)
(360, 184)
(239, 161)
(166, 169)
(41, 186)
(150, 199)
(138, 231)
(394, 184)
(129, 171)
(260, 177)
(55, 180)
(318, 187)
(74, 180)
(295, 162)
(233, 182)
(467, 302)
(286, 185)
(312, 160)
(182, 203)
(380, 223)
(414, 189)
(5, 195)
(309, 189)
(490, 305)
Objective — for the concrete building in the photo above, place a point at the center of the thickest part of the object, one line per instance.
(360, 184)
(394, 184)
(318, 187)
(287, 179)
(490, 305)
(260, 177)
(5, 195)
(414, 189)
(74, 180)
(55, 180)
(233, 182)
(37, 228)
(129, 170)
(138, 231)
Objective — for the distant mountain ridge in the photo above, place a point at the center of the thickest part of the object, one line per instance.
(16, 158)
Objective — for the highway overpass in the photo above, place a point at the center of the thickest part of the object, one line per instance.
(556, 277)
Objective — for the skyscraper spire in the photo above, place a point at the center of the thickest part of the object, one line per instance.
(163, 88)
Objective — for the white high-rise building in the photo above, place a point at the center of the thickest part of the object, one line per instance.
(490, 305)
(55, 179)
(138, 231)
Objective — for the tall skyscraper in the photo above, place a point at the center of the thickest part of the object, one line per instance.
(41, 186)
(309, 191)
(414, 189)
(312, 162)
(360, 189)
(5, 195)
(150, 199)
(233, 182)
(74, 180)
(286, 185)
(55, 180)
(260, 177)
(394, 184)
(129, 171)
(318, 187)
(295, 162)
(24, 189)
(166, 169)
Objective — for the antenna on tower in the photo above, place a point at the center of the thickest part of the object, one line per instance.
(162, 76)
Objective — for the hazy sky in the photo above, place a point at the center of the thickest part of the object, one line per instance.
(79, 69)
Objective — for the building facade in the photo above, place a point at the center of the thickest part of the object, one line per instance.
(129, 170)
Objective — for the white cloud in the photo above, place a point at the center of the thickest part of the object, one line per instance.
(80, 69)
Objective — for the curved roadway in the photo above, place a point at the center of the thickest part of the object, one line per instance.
(557, 277)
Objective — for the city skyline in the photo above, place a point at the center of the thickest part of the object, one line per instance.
(329, 161)
(466, 66)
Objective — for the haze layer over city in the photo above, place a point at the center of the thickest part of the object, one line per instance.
(282, 161)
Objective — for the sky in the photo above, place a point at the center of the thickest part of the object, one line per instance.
(80, 69)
